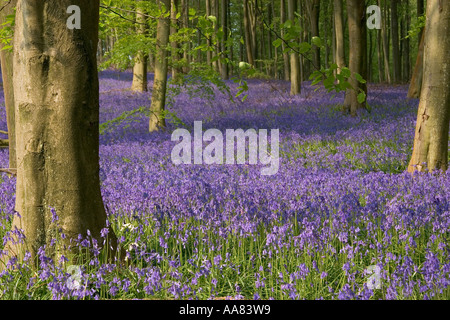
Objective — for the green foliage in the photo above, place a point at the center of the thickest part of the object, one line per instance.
(417, 27)
(7, 31)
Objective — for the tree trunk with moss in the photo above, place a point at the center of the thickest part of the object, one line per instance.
(56, 93)
(432, 128)
(157, 108)
(6, 60)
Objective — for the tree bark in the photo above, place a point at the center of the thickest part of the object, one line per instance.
(224, 21)
(248, 26)
(56, 95)
(157, 117)
(6, 60)
(385, 40)
(339, 32)
(395, 41)
(287, 73)
(358, 53)
(295, 59)
(431, 136)
(314, 14)
(139, 83)
(174, 44)
(415, 86)
(420, 12)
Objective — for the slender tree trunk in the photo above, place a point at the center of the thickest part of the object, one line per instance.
(56, 94)
(185, 24)
(339, 32)
(209, 42)
(380, 57)
(314, 15)
(420, 12)
(224, 19)
(215, 13)
(6, 60)
(287, 73)
(157, 108)
(395, 41)
(415, 86)
(139, 83)
(174, 44)
(358, 52)
(248, 34)
(432, 129)
(406, 46)
(385, 40)
(295, 59)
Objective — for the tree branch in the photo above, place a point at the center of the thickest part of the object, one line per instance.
(4, 143)
(11, 171)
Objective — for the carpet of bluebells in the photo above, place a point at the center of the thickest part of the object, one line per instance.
(340, 205)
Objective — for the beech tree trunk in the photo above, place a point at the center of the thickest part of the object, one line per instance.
(395, 41)
(6, 60)
(358, 53)
(56, 93)
(339, 33)
(157, 117)
(415, 86)
(431, 137)
(314, 13)
(385, 41)
(248, 26)
(295, 59)
(286, 64)
(139, 83)
(224, 21)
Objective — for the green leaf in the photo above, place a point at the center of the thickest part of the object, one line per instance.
(359, 78)
(361, 97)
(304, 47)
(277, 43)
(316, 41)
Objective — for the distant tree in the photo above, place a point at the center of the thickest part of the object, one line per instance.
(139, 83)
(157, 117)
(358, 55)
(395, 41)
(415, 85)
(295, 58)
(432, 129)
(339, 31)
(6, 59)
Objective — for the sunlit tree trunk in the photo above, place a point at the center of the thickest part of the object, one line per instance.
(6, 59)
(314, 14)
(395, 41)
(56, 94)
(286, 64)
(139, 83)
(432, 129)
(157, 117)
(295, 59)
(358, 53)
(416, 81)
(339, 32)
(174, 44)
(224, 22)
